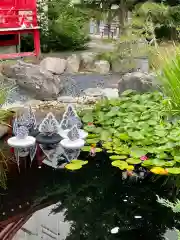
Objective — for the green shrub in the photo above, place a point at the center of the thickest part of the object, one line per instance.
(67, 29)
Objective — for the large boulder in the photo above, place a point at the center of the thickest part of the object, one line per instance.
(87, 60)
(138, 81)
(102, 66)
(43, 85)
(73, 64)
(53, 65)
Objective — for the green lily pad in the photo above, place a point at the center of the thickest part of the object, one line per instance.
(92, 135)
(147, 163)
(87, 118)
(173, 170)
(92, 141)
(120, 164)
(86, 148)
(73, 166)
(133, 161)
(170, 163)
(110, 151)
(98, 149)
(158, 162)
(117, 157)
(138, 152)
(124, 136)
(177, 158)
(76, 161)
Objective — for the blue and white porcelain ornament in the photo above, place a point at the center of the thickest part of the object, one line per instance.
(69, 120)
(49, 125)
(73, 140)
(22, 143)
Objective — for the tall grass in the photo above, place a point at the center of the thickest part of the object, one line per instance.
(169, 77)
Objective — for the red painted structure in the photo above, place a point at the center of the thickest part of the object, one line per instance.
(18, 17)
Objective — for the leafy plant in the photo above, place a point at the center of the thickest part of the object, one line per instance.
(169, 78)
(135, 129)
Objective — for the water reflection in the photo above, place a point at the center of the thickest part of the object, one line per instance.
(85, 205)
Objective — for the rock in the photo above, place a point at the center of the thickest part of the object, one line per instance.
(33, 103)
(102, 66)
(42, 84)
(53, 65)
(87, 60)
(94, 92)
(73, 64)
(67, 99)
(110, 92)
(122, 65)
(3, 130)
(138, 81)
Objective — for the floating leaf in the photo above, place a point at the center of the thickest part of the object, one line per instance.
(159, 171)
(86, 148)
(92, 135)
(147, 163)
(88, 118)
(105, 135)
(138, 152)
(76, 161)
(170, 163)
(120, 164)
(133, 161)
(116, 157)
(92, 141)
(98, 149)
(110, 151)
(73, 166)
(136, 135)
(124, 136)
(177, 158)
(173, 170)
(130, 167)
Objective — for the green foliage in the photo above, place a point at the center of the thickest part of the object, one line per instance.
(137, 126)
(174, 206)
(170, 81)
(156, 18)
(66, 28)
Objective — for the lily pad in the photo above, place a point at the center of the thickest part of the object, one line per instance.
(73, 166)
(98, 149)
(159, 171)
(170, 163)
(177, 158)
(147, 163)
(130, 167)
(138, 152)
(117, 157)
(173, 170)
(76, 161)
(110, 151)
(133, 161)
(120, 164)
(86, 148)
(92, 135)
(92, 141)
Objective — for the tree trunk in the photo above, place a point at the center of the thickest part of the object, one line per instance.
(122, 15)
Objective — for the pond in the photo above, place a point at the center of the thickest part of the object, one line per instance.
(43, 203)
(131, 156)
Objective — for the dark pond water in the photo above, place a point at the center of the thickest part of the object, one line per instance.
(84, 205)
